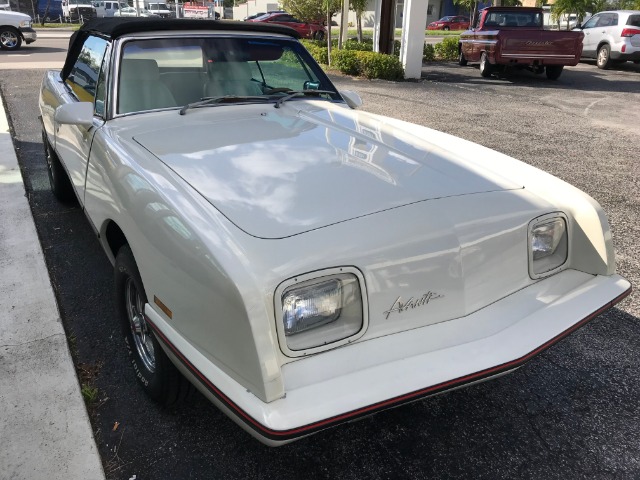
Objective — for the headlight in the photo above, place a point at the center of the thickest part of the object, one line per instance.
(320, 312)
(25, 24)
(548, 245)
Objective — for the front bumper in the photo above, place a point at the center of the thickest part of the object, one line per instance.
(360, 379)
(29, 35)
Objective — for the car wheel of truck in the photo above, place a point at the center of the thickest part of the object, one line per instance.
(58, 178)
(10, 38)
(604, 57)
(461, 60)
(485, 67)
(154, 371)
(553, 71)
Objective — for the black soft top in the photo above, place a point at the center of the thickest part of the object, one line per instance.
(113, 28)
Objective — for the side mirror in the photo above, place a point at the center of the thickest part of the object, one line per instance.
(352, 98)
(80, 113)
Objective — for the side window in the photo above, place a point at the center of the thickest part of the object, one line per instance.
(83, 78)
(606, 20)
(592, 21)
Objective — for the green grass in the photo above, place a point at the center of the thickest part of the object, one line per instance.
(74, 26)
(89, 393)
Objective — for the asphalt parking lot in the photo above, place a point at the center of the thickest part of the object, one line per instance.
(570, 413)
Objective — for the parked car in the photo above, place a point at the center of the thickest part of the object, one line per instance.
(515, 37)
(161, 9)
(612, 37)
(77, 10)
(15, 28)
(450, 23)
(315, 31)
(301, 262)
(108, 8)
(132, 12)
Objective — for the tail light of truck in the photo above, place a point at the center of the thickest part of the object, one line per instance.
(629, 32)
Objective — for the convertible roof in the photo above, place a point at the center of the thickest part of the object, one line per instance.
(114, 27)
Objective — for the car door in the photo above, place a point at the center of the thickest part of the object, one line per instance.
(84, 84)
(590, 41)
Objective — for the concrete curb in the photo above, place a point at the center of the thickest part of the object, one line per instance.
(45, 430)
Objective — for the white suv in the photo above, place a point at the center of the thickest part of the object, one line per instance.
(612, 37)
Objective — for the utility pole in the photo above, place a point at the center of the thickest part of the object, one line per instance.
(387, 26)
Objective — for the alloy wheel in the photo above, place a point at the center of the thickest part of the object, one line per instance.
(139, 328)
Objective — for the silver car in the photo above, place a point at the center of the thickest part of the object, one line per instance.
(612, 37)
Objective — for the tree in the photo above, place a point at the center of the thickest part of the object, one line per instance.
(468, 5)
(311, 10)
(359, 6)
(314, 11)
(566, 7)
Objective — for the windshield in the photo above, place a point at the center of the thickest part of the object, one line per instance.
(174, 72)
(513, 19)
(445, 19)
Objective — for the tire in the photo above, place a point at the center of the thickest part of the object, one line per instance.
(553, 71)
(159, 378)
(603, 60)
(461, 60)
(446, 29)
(10, 38)
(319, 35)
(486, 69)
(58, 178)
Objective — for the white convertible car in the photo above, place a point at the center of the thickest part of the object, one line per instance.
(301, 262)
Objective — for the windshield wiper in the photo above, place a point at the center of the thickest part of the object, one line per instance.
(203, 102)
(300, 93)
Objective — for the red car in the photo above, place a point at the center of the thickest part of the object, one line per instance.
(306, 30)
(450, 23)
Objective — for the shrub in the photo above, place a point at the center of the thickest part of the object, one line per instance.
(447, 49)
(366, 46)
(428, 53)
(346, 61)
(317, 49)
(320, 54)
(315, 43)
(379, 65)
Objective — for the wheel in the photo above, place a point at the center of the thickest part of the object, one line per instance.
(10, 38)
(461, 60)
(158, 376)
(446, 29)
(58, 178)
(604, 57)
(485, 67)
(553, 71)
(319, 35)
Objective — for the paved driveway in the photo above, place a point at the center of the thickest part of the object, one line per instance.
(570, 413)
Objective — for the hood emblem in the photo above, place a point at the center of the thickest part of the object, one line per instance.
(400, 306)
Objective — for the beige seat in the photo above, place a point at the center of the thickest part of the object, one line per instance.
(230, 78)
(141, 88)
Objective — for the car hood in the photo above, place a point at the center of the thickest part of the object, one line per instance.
(280, 172)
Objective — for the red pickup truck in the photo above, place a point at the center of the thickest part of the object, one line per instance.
(514, 36)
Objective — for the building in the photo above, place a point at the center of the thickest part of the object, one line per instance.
(436, 9)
